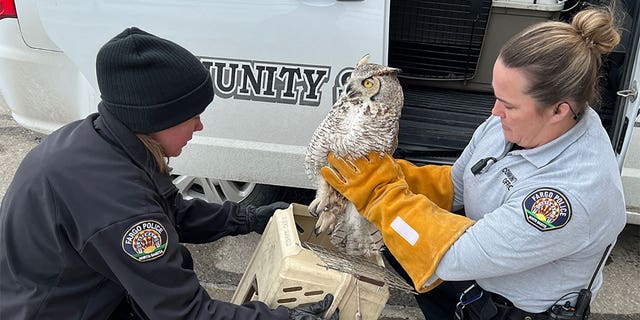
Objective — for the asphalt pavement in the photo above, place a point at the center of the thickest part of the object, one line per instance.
(220, 265)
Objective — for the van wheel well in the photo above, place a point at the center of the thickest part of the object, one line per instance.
(244, 193)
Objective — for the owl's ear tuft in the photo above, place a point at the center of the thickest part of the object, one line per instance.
(390, 70)
(363, 60)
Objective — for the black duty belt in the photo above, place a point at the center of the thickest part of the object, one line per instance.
(477, 304)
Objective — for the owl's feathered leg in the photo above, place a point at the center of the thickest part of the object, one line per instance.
(328, 206)
(326, 221)
(333, 215)
(322, 198)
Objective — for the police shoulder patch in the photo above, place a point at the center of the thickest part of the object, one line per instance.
(145, 241)
(546, 209)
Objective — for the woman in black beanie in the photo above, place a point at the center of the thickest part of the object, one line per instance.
(91, 225)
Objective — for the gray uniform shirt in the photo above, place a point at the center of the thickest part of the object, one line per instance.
(544, 216)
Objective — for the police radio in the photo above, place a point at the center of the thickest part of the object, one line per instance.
(581, 310)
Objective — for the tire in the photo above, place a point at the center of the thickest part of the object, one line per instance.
(244, 193)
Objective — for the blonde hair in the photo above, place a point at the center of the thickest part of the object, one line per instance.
(562, 60)
(156, 151)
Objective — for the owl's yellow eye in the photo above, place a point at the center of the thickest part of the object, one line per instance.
(367, 83)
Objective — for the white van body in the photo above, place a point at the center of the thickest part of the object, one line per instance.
(278, 66)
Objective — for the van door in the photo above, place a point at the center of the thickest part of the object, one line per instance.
(628, 94)
(277, 67)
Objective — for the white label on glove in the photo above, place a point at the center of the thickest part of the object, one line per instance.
(405, 230)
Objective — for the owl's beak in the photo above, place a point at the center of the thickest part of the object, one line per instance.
(352, 94)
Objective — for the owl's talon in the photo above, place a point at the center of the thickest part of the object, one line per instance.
(326, 223)
(313, 206)
(317, 206)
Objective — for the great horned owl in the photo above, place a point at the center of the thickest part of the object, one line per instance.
(364, 118)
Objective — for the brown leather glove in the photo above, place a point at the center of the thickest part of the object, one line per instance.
(417, 231)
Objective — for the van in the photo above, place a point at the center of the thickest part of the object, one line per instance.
(278, 66)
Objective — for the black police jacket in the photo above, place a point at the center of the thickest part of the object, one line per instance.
(88, 218)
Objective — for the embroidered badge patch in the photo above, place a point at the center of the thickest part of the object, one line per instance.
(145, 241)
(546, 209)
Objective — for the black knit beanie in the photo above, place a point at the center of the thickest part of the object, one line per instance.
(150, 83)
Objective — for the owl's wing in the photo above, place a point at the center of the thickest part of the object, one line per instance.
(327, 138)
(317, 151)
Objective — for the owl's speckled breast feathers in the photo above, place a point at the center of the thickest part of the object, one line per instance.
(365, 118)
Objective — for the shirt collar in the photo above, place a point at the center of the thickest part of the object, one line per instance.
(542, 155)
(123, 137)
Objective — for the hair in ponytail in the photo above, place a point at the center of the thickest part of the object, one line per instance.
(156, 151)
(563, 60)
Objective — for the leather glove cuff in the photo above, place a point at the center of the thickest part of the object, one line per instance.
(433, 181)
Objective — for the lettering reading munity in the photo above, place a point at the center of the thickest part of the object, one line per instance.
(267, 81)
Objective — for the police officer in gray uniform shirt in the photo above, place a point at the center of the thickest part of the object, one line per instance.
(538, 182)
(544, 215)
(92, 225)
